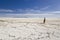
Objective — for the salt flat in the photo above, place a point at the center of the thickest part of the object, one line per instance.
(29, 29)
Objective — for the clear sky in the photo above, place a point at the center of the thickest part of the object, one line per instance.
(45, 8)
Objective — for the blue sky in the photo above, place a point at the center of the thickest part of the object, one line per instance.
(33, 8)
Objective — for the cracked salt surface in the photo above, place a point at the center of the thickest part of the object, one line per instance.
(29, 31)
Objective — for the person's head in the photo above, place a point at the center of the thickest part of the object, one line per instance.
(44, 17)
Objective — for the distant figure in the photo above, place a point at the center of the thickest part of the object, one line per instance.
(44, 20)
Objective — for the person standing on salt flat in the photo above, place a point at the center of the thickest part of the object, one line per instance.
(44, 20)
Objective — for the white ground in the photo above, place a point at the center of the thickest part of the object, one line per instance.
(10, 30)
